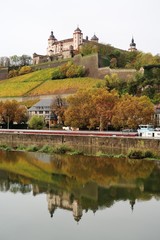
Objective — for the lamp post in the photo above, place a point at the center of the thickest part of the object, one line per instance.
(49, 121)
(7, 122)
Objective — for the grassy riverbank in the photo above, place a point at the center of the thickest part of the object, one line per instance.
(63, 149)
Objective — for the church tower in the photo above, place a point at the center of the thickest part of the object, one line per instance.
(77, 38)
(132, 45)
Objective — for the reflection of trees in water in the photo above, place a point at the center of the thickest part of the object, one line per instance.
(90, 182)
(106, 172)
(10, 182)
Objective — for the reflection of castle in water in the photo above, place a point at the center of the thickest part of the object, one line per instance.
(65, 202)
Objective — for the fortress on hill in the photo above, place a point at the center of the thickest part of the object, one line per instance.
(60, 49)
(67, 48)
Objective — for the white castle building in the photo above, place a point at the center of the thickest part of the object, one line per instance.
(66, 48)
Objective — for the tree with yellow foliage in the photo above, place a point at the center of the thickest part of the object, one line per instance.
(91, 108)
(130, 111)
(13, 111)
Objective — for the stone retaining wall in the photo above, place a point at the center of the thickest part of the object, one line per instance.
(88, 144)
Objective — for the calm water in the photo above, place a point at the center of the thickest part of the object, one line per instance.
(76, 197)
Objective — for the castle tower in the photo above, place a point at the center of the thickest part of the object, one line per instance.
(77, 211)
(94, 38)
(51, 41)
(132, 47)
(77, 38)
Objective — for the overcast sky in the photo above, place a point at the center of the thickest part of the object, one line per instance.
(25, 25)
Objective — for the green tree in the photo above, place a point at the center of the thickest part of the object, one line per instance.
(88, 48)
(143, 59)
(114, 82)
(36, 122)
(15, 60)
(25, 60)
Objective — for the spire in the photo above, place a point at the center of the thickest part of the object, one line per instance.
(132, 46)
(78, 29)
(52, 37)
(132, 42)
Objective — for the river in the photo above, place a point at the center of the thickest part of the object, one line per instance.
(78, 197)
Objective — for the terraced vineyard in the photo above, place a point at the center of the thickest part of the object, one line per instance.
(40, 83)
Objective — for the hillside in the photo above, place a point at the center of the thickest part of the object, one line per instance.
(40, 83)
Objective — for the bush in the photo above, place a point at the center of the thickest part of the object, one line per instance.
(75, 71)
(62, 149)
(32, 148)
(136, 154)
(21, 148)
(25, 70)
(57, 74)
(46, 149)
(36, 122)
(148, 154)
(13, 73)
(68, 70)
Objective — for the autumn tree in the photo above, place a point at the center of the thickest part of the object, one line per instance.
(13, 111)
(91, 108)
(104, 102)
(80, 110)
(21, 114)
(58, 107)
(130, 111)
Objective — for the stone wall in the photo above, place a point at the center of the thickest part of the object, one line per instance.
(3, 73)
(92, 65)
(90, 62)
(89, 144)
(49, 64)
(124, 74)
